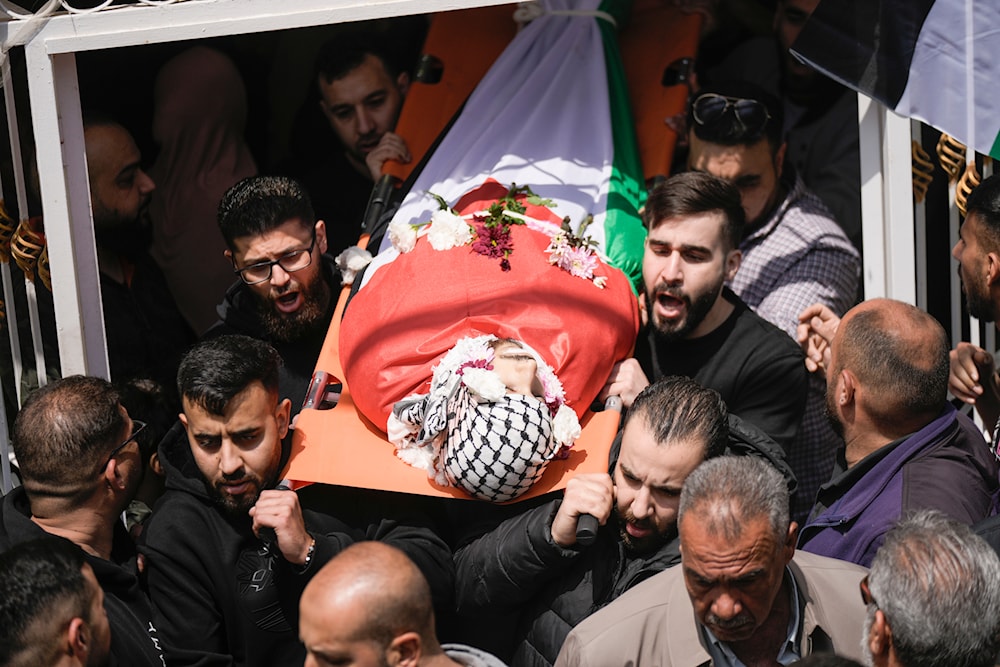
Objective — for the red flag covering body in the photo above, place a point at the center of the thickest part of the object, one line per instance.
(413, 310)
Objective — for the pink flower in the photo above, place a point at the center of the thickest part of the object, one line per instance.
(580, 262)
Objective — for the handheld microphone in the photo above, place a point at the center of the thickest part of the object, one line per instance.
(267, 534)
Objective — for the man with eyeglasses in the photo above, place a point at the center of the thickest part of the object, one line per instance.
(81, 462)
(794, 253)
(284, 282)
(933, 597)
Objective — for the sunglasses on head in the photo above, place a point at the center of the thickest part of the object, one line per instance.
(709, 109)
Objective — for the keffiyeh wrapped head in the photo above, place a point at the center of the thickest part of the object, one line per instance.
(493, 419)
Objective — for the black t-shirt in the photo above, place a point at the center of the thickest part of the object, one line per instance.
(756, 367)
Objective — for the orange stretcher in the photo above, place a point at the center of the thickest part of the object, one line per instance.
(339, 445)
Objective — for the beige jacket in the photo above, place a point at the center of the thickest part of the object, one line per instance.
(653, 624)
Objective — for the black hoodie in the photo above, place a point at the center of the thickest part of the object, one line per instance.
(220, 597)
(134, 640)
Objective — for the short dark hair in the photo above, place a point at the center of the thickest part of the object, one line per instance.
(902, 362)
(728, 131)
(345, 52)
(64, 432)
(691, 193)
(216, 370)
(677, 407)
(984, 201)
(42, 587)
(258, 204)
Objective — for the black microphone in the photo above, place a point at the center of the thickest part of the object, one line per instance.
(586, 524)
(586, 529)
(266, 533)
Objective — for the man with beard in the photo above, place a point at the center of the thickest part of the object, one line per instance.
(697, 327)
(284, 290)
(229, 551)
(146, 334)
(933, 597)
(793, 253)
(82, 458)
(974, 376)
(742, 594)
(906, 447)
(532, 567)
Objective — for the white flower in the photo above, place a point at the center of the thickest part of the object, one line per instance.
(601, 281)
(565, 426)
(403, 236)
(486, 385)
(352, 260)
(448, 231)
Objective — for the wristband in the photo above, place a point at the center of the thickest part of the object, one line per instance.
(309, 557)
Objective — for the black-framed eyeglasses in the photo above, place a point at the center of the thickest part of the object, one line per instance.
(137, 428)
(751, 115)
(295, 260)
(866, 593)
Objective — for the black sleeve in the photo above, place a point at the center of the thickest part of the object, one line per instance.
(507, 566)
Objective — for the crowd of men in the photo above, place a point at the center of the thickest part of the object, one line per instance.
(777, 442)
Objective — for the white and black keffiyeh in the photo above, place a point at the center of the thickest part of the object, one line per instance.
(470, 434)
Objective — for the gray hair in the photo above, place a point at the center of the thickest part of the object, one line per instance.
(729, 491)
(938, 584)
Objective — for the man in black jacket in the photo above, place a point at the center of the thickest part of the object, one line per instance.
(228, 550)
(531, 566)
(285, 290)
(81, 464)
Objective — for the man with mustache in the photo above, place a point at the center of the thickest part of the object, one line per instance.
(228, 552)
(146, 334)
(283, 293)
(755, 599)
(697, 327)
(531, 565)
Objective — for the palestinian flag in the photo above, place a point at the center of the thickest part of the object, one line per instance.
(553, 114)
(933, 60)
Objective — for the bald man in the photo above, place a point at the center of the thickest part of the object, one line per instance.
(906, 448)
(371, 607)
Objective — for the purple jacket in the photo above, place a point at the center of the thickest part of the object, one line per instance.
(946, 466)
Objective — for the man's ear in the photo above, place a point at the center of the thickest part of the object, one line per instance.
(403, 83)
(992, 268)
(779, 158)
(405, 650)
(847, 386)
(733, 262)
(228, 253)
(791, 539)
(282, 416)
(184, 420)
(320, 229)
(78, 639)
(880, 638)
